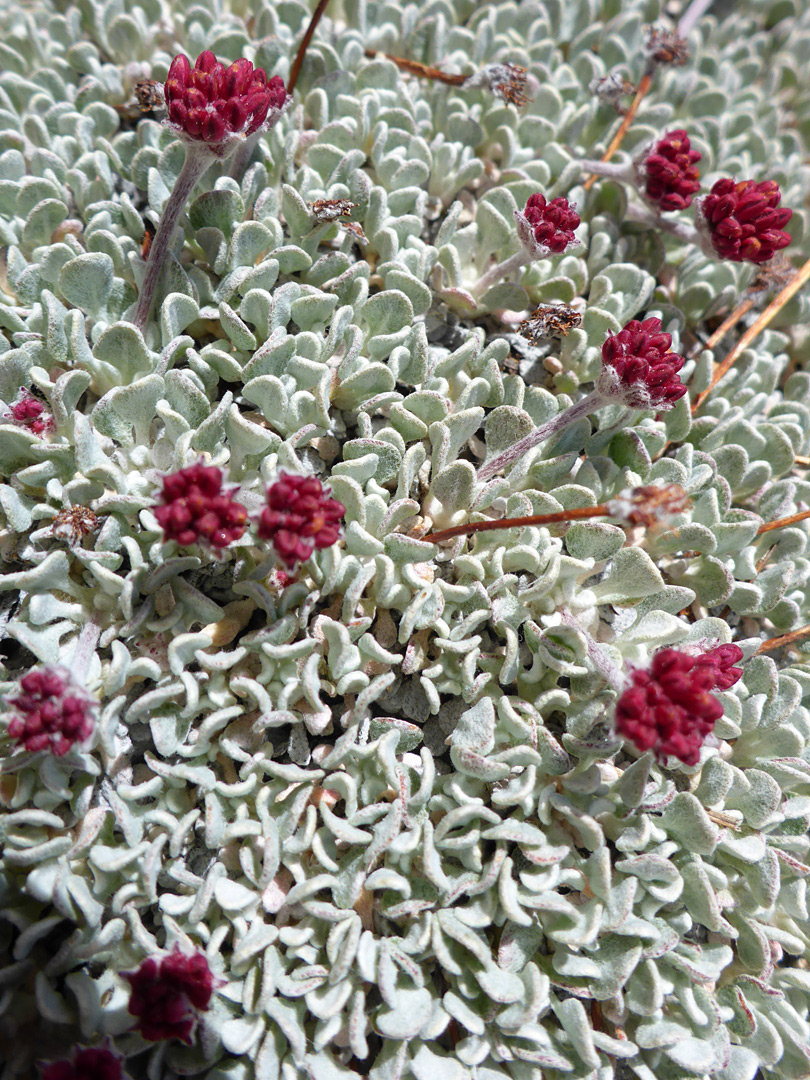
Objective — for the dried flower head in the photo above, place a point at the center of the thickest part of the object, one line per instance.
(87, 1064)
(324, 210)
(671, 172)
(744, 220)
(167, 993)
(547, 227)
(50, 712)
(669, 707)
(665, 47)
(29, 412)
(149, 95)
(209, 102)
(649, 505)
(610, 89)
(773, 275)
(555, 320)
(508, 81)
(300, 516)
(195, 507)
(639, 369)
(74, 523)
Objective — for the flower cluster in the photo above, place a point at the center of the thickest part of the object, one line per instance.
(669, 708)
(87, 1064)
(166, 994)
(548, 225)
(30, 413)
(671, 172)
(209, 101)
(195, 507)
(638, 367)
(744, 220)
(52, 712)
(300, 516)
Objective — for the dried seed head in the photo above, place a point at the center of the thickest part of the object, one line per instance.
(555, 320)
(330, 209)
(510, 82)
(650, 505)
(149, 94)
(665, 47)
(74, 523)
(610, 89)
(773, 275)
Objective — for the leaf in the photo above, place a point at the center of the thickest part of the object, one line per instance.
(87, 281)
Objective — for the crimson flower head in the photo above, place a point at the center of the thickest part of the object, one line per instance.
(209, 102)
(639, 369)
(30, 413)
(300, 516)
(50, 712)
(196, 508)
(167, 993)
(670, 708)
(547, 228)
(744, 220)
(671, 172)
(88, 1064)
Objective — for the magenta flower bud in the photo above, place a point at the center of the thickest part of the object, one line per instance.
(166, 995)
(209, 101)
(639, 369)
(300, 516)
(671, 172)
(744, 220)
(88, 1064)
(669, 708)
(547, 227)
(51, 711)
(30, 413)
(195, 508)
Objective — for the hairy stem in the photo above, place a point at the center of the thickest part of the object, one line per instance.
(501, 270)
(198, 159)
(590, 403)
(684, 232)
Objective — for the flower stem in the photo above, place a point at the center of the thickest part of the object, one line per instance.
(501, 270)
(618, 138)
(590, 403)
(198, 159)
(767, 316)
(783, 522)
(609, 170)
(517, 523)
(684, 232)
(302, 48)
(415, 68)
(784, 639)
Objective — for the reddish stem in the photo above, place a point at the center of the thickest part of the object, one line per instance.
(302, 48)
(415, 68)
(518, 522)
